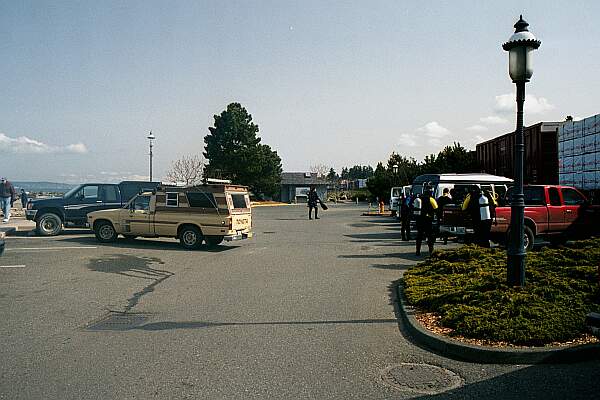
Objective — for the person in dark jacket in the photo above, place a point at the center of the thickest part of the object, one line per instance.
(442, 201)
(7, 198)
(24, 198)
(425, 230)
(482, 209)
(405, 216)
(313, 202)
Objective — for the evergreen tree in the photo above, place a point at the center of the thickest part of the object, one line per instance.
(233, 151)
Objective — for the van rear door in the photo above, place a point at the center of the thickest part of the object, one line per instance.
(240, 212)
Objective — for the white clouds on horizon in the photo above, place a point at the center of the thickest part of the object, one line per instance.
(505, 103)
(493, 120)
(25, 145)
(477, 128)
(432, 131)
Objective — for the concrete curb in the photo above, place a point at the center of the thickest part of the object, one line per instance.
(487, 355)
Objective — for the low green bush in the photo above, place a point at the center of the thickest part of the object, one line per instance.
(467, 288)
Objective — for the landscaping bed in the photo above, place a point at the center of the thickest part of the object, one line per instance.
(463, 293)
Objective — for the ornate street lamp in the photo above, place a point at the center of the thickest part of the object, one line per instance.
(150, 138)
(520, 46)
(395, 168)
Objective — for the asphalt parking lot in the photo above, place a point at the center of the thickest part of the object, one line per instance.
(303, 310)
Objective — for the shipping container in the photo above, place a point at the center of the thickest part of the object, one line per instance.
(581, 165)
(496, 156)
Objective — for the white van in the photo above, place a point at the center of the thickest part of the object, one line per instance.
(395, 195)
(459, 184)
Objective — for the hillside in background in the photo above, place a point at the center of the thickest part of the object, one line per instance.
(44, 187)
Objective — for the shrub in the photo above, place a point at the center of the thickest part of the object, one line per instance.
(467, 288)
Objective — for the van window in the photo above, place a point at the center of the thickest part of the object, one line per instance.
(109, 194)
(396, 192)
(239, 201)
(172, 199)
(201, 199)
(459, 192)
(500, 191)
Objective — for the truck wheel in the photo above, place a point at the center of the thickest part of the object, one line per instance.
(49, 224)
(105, 232)
(190, 237)
(213, 241)
(528, 238)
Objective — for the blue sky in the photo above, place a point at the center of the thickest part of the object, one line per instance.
(335, 83)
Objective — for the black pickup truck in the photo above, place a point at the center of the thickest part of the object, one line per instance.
(71, 210)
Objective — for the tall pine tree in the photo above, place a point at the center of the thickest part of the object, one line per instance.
(233, 151)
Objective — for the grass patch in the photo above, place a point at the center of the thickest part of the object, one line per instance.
(467, 288)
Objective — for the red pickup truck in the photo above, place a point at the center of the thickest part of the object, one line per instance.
(555, 213)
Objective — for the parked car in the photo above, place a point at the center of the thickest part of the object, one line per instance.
(71, 210)
(553, 212)
(207, 213)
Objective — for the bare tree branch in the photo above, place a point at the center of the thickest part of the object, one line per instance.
(320, 169)
(187, 169)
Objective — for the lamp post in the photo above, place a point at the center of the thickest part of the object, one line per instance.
(150, 138)
(520, 46)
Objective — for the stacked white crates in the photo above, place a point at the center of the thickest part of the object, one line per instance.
(579, 153)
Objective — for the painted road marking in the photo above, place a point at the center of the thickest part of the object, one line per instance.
(51, 248)
(12, 266)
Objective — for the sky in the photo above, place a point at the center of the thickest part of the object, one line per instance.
(337, 83)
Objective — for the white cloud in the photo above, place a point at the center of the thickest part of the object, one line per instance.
(505, 103)
(477, 128)
(407, 139)
(434, 142)
(493, 120)
(434, 130)
(25, 145)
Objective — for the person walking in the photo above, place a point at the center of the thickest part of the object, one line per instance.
(405, 217)
(313, 202)
(24, 198)
(7, 197)
(425, 221)
(442, 201)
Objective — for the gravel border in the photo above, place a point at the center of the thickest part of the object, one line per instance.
(488, 355)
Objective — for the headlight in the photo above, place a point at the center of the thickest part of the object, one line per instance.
(29, 205)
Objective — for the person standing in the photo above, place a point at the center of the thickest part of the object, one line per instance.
(425, 221)
(7, 197)
(471, 206)
(442, 201)
(24, 198)
(405, 217)
(313, 202)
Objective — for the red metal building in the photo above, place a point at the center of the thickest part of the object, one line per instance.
(496, 156)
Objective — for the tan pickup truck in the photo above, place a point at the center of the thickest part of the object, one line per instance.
(204, 213)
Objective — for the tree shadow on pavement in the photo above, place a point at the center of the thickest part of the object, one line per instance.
(147, 244)
(375, 236)
(133, 267)
(405, 256)
(395, 267)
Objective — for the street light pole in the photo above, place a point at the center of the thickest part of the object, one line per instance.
(151, 137)
(520, 46)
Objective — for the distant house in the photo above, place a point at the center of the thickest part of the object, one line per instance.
(295, 186)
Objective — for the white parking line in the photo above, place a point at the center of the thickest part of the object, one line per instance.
(50, 248)
(12, 266)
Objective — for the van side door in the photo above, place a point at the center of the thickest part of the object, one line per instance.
(110, 196)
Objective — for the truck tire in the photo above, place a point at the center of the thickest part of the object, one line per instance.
(528, 238)
(190, 237)
(48, 224)
(212, 241)
(105, 232)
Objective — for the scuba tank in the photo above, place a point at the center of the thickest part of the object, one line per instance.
(417, 206)
(484, 208)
